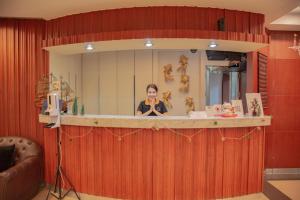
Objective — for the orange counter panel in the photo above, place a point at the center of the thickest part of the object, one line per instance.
(159, 164)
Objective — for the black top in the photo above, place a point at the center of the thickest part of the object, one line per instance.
(144, 107)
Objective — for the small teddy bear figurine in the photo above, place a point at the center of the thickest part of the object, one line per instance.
(183, 60)
(166, 99)
(184, 83)
(167, 72)
(189, 104)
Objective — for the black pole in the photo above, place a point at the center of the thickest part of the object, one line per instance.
(59, 174)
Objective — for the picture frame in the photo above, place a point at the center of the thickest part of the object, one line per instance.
(254, 104)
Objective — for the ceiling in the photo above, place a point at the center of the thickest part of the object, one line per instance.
(171, 43)
(273, 9)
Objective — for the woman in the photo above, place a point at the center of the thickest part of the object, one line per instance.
(152, 106)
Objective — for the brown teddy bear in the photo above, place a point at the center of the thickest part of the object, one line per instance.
(167, 72)
(166, 99)
(183, 60)
(184, 83)
(189, 104)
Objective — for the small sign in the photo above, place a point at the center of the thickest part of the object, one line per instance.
(254, 104)
(238, 107)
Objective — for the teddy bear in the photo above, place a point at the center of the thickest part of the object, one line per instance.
(184, 83)
(183, 60)
(166, 99)
(167, 72)
(189, 104)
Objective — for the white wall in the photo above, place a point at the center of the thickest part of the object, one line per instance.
(69, 68)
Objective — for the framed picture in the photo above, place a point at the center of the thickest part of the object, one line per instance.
(238, 107)
(254, 104)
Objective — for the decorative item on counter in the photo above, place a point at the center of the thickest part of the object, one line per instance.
(189, 104)
(41, 91)
(183, 60)
(82, 111)
(217, 108)
(184, 83)
(56, 85)
(75, 107)
(167, 72)
(254, 104)
(210, 111)
(166, 99)
(214, 110)
(227, 110)
(45, 85)
(238, 107)
(66, 94)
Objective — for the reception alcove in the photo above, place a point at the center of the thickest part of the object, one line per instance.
(149, 165)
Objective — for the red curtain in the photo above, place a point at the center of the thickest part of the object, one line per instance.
(175, 18)
(22, 62)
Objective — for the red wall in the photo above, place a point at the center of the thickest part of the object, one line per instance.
(283, 137)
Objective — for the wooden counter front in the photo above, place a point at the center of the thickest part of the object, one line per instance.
(162, 164)
(119, 121)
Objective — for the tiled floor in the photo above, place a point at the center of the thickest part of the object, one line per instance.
(290, 188)
(42, 196)
(258, 196)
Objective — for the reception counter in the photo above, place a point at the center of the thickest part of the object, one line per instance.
(119, 121)
(171, 157)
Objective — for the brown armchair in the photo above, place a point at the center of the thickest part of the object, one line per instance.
(22, 181)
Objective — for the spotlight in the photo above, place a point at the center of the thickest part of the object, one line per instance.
(89, 47)
(148, 43)
(213, 45)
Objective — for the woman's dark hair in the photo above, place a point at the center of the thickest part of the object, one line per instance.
(151, 86)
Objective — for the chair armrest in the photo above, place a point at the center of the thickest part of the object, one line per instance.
(22, 179)
(25, 166)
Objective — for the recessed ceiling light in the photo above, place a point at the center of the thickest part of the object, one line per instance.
(213, 45)
(148, 43)
(89, 47)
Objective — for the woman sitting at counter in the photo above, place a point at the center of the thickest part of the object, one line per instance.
(152, 106)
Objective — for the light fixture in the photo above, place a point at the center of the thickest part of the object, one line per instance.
(148, 43)
(213, 44)
(295, 47)
(89, 47)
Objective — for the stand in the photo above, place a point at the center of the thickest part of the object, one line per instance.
(57, 193)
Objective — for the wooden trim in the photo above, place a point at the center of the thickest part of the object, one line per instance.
(158, 122)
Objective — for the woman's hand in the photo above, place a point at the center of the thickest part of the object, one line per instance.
(152, 107)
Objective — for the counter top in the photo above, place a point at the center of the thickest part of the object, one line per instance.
(122, 121)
